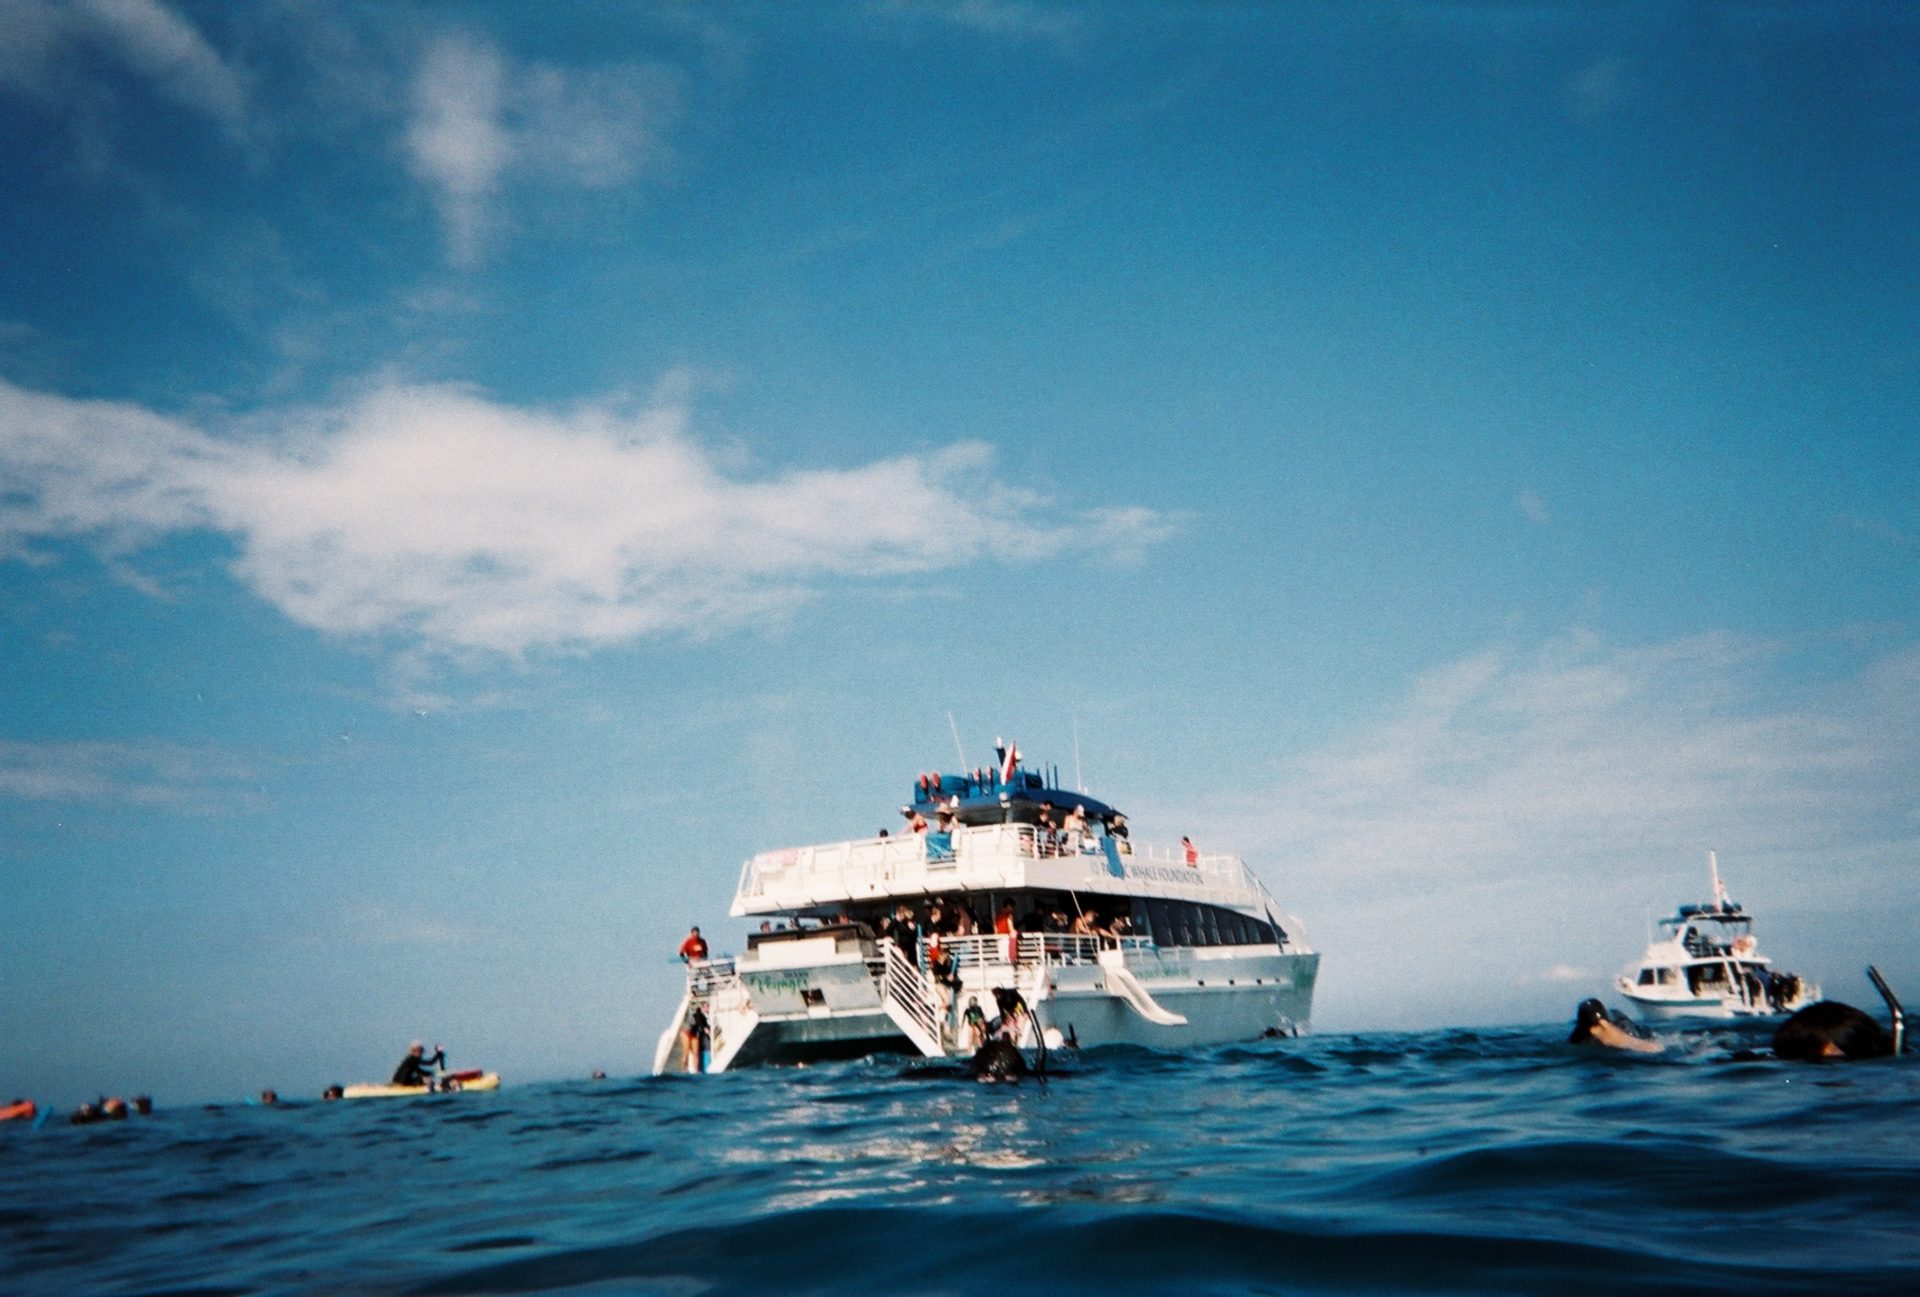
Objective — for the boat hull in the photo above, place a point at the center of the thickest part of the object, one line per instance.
(1226, 998)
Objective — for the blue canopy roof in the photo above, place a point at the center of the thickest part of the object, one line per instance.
(983, 788)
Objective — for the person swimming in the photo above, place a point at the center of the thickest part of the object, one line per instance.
(998, 1060)
(1834, 1032)
(1831, 1032)
(1593, 1025)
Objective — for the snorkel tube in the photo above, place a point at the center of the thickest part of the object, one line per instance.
(1898, 1014)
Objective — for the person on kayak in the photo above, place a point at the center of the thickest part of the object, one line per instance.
(413, 1068)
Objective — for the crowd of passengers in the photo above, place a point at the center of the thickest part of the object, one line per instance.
(1053, 834)
(931, 923)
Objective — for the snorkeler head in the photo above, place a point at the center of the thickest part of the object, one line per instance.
(1831, 1030)
(1586, 1017)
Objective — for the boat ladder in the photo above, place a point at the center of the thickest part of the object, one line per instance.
(904, 995)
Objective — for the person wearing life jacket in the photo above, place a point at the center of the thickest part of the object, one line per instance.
(413, 1068)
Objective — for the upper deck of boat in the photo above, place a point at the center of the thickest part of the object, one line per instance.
(988, 857)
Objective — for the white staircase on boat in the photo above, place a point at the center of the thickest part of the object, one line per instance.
(904, 995)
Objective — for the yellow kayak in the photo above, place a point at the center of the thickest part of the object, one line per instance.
(458, 1081)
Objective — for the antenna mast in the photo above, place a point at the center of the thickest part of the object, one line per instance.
(1078, 783)
(957, 749)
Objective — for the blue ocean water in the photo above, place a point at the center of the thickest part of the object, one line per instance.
(1458, 1161)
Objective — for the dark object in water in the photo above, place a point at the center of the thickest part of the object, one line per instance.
(998, 1060)
(1592, 1013)
(1831, 1030)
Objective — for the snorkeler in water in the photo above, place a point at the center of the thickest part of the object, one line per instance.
(1593, 1025)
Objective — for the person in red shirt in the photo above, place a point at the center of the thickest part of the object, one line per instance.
(1192, 852)
(694, 947)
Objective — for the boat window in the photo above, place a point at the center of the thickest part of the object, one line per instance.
(1646, 977)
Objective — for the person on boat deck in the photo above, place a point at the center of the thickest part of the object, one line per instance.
(905, 932)
(1046, 834)
(694, 947)
(1074, 830)
(1003, 926)
(413, 1068)
(1117, 830)
(916, 822)
(1593, 1025)
(975, 1021)
(1191, 852)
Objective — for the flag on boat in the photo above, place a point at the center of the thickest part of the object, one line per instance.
(1009, 763)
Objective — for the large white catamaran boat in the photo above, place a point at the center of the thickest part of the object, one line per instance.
(1706, 965)
(1002, 882)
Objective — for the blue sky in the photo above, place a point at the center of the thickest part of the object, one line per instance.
(471, 475)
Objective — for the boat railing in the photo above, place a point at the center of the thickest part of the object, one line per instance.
(902, 984)
(981, 856)
(987, 950)
(715, 983)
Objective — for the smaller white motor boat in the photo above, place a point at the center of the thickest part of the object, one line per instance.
(1706, 965)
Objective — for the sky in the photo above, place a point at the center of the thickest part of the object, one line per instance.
(472, 475)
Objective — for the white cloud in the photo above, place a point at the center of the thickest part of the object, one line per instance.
(169, 776)
(1520, 810)
(478, 123)
(1581, 749)
(150, 39)
(455, 139)
(143, 36)
(456, 523)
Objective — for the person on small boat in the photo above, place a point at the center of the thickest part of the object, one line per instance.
(333, 1092)
(1593, 1025)
(413, 1068)
(1831, 1032)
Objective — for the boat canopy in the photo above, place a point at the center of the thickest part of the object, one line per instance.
(982, 796)
(1695, 915)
